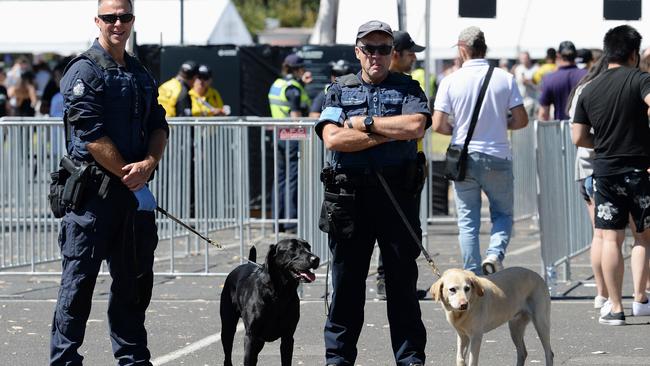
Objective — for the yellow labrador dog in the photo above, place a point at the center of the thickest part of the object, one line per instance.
(475, 305)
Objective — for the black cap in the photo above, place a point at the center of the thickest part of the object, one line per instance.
(293, 60)
(204, 72)
(403, 41)
(567, 48)
(584, 55)
(188, 69)
(374, 26)
(340, 67)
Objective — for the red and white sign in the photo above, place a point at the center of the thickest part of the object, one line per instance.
(293, 133)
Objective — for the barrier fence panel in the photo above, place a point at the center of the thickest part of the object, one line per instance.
(29, 152)
(565, 228)
(524, 172)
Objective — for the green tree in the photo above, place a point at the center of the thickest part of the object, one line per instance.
(291, 13)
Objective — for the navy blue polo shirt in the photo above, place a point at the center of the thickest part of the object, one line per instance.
(557, 86)
(398, 94)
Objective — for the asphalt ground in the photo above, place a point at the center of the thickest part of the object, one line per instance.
(184, 326)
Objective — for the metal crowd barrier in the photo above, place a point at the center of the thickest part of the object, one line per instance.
(204, 179)
(30, 149)
(524, 171)
(208, 159)
(565, 227)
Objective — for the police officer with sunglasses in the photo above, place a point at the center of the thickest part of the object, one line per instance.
(370, 124)
(116, 129)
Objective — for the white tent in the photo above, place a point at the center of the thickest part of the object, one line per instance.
(532, 25)
(67, 27)
(353, 13)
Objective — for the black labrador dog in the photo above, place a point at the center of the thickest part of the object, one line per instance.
(266, 299)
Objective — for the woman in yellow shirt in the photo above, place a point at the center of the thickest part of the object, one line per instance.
(206, 100)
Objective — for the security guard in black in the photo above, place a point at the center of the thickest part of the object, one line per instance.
(371, 122)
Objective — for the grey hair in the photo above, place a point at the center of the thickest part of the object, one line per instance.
(474, 39)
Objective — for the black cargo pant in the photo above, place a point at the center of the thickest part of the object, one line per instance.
(108, 229)
(373, 218)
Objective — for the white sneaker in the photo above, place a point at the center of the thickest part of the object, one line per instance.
(640, 309)
(606, 308)
(599, 301)
(491, 264)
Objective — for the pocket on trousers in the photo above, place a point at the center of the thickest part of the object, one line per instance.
(337, 215)
(79, 235)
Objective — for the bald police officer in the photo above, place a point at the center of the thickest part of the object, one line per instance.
(116, 126)
(370, 123)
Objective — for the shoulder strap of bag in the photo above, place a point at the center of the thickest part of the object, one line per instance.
(477, 109)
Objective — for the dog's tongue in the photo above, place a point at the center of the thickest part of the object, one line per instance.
(308, 276)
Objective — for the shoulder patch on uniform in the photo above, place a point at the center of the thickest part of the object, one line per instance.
(78, 89)
(334, 114)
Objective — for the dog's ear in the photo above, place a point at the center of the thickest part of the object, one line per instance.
(270, 254)
(436, 290)
(477, 286)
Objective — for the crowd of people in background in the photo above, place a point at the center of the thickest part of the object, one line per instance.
(31, 88)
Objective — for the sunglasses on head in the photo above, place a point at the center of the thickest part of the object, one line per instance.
(112, 18)
(383, 49)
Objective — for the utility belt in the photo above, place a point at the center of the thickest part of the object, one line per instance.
(73, 182)
(409, 176)
(339, 208)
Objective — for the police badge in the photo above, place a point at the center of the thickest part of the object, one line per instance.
(78, 89)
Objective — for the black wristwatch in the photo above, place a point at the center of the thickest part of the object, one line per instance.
(368, 122)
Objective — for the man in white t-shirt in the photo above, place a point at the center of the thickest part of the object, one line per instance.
(489, 163)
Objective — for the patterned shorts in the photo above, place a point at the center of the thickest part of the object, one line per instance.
(618, 196)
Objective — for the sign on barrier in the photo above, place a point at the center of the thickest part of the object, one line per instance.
(293, 133)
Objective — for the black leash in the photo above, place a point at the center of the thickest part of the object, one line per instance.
(162, 211)
(417, 240)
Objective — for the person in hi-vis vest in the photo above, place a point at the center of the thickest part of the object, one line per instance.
(288, 99)
(173, 94)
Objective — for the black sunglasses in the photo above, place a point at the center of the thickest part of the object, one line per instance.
(383, 49)
(112, 18)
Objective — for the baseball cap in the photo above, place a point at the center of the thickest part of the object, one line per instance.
(374, 26)
(584, 55)
(403, 41)
(294, 60)
(204, 72)
(188, 69)
(471, 37)
(340, 67)
(567, 47)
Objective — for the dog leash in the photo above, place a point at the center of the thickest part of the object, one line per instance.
(389, 192)
(162, 211)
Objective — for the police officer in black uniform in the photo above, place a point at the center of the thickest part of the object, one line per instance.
(371, 122)
(115, 125)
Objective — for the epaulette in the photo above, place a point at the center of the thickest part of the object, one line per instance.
(350, 80)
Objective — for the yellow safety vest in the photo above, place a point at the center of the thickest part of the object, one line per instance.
(418, 75)
(201, 106)
(168, 94)
(278, 101)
